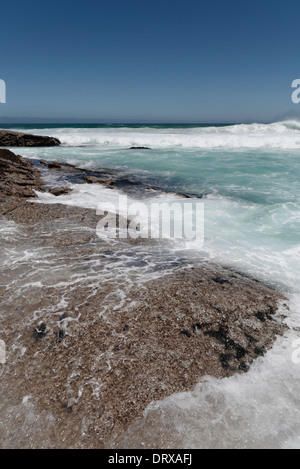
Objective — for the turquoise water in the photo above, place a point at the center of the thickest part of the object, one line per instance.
(248, 177)
(248, 174)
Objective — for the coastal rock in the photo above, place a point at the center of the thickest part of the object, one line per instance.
(95, 180)
(9, 138)
(57, 191)
(99, 346)
(77, 175)
(52, 164)
(139, 148)
(108, 352)
(18, 177)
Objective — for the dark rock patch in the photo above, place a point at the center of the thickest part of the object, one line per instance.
(40, 331)
(139, 148)
(243, 367)
(96, 180)
(220, 280)
(61, 335)
(224, 360)
(52, 164)
(57, 191)
(261, 316)
(186, 332)
(196, 327)
(259, 351)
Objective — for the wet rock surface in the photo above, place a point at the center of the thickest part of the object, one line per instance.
(95, 180)
(57, 191)
(52, 164)
(18, 177)
(108, 178)
(91, 346)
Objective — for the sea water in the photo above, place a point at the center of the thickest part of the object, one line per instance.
(247, 177)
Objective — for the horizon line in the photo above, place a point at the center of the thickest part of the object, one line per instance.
(54, 121)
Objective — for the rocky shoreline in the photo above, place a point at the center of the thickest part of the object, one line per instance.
(10, 138)
(97, 348)
(18, 177)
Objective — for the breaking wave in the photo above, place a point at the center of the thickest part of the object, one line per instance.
(281, 135)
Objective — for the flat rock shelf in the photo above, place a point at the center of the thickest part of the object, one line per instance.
(88, 348)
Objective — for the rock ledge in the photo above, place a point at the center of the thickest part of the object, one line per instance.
(9, 138)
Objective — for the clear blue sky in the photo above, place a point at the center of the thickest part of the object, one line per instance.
(143, 61)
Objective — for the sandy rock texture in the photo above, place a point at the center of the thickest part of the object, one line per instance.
(17, 176)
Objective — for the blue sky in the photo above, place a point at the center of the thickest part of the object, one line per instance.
(150, 61)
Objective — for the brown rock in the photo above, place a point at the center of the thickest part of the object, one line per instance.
(52, 164)
(18, 177)
(107, 359)
(95, 180)
(9, 138)
(57, 191)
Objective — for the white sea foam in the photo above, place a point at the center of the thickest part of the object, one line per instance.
(284, 135)
(238, 233)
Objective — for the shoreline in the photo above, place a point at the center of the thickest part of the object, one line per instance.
(98, 347)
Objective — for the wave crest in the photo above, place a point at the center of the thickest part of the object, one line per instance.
(277, 135)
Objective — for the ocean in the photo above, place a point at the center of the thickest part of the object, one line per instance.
(247, 176)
